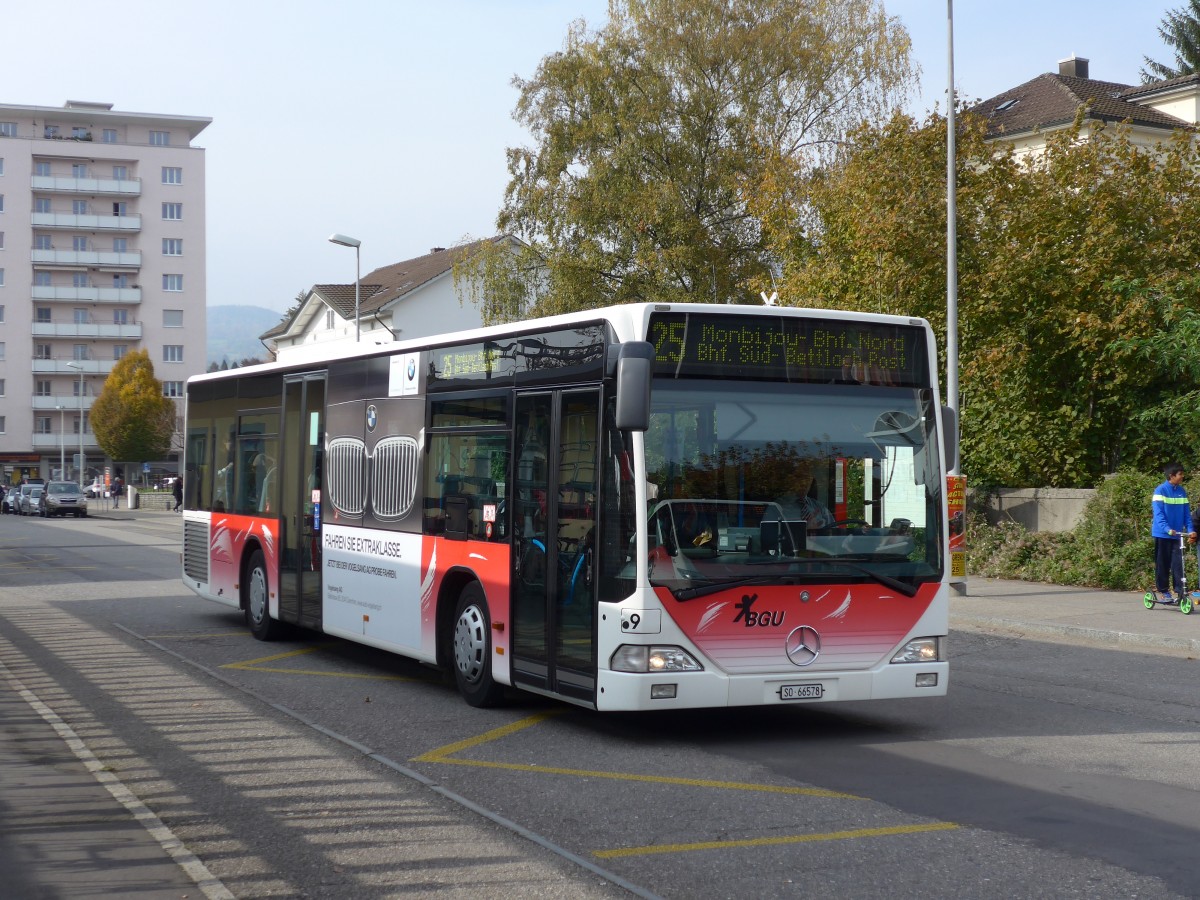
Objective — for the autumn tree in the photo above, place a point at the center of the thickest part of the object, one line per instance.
(131, 418)
(650, 134)
(1064, 263)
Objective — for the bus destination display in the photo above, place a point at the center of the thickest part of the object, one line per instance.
(818, 351)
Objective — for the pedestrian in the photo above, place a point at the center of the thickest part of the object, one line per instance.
(116, 491)
(1172, 517)
(177, 490)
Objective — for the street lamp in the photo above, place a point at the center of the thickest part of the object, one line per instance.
(79, 366)
(345, 241)
(62, 450)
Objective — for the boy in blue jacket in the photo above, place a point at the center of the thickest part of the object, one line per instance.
(1171, 517)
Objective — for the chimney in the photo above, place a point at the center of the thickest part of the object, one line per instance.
(1074, 67)
(436, 249)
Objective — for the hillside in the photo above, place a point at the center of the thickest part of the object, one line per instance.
(233, 332)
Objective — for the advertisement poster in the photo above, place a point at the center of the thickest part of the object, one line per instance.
(371, 582)
(956, 512)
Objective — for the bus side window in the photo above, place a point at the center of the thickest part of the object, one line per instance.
(464, 492)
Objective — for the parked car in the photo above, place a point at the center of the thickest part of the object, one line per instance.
(96, 488)
(8, 504)
(64, 498)
(31, 499)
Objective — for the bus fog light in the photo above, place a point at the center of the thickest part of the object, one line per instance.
(635, 658)
(920, 650)
(662, 691)
(927, 679)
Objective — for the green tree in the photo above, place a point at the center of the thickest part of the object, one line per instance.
(1180, 30)
(1053, 348)
(651, 134)
(131, 417)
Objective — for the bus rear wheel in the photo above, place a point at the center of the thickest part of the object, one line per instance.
(257, 600)
(471, 649)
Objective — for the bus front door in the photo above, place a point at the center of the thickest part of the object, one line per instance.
(553, 507)
(302, 451)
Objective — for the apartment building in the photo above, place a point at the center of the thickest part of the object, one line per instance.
(101, 252)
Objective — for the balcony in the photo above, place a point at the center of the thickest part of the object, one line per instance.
(86, 222)
(95, 330)
(70, 366)
(88, 294)
(119, 187)
(68, 441)
(130, 259)
(68, 402)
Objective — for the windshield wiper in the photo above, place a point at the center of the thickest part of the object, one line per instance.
(703, 590)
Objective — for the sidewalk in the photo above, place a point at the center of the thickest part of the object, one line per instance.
(63, 834)
(1115, 619)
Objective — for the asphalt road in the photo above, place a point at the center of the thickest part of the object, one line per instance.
(313, 767)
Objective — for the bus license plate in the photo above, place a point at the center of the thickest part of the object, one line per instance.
(801, 691)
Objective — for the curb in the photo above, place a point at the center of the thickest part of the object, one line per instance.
(1105, 636)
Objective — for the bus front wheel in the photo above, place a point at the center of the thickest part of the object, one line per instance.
(257, 600)
(471, 645)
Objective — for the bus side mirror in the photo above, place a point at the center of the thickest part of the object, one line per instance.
(950, 438)
(635, 361)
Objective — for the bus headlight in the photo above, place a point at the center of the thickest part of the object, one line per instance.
(920, 650)
(639, 658)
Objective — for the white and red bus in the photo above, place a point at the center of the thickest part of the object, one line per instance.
(640, 507)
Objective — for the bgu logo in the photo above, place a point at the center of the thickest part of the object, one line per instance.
(766, 619)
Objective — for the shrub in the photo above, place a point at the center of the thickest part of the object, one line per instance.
(1110, 548)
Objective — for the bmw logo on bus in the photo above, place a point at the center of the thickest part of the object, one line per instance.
(372, 417)
(412, 369)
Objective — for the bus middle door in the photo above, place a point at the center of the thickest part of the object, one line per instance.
(555, 447)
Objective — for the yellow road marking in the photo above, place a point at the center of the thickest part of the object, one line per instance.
(443, 755)
(775, 841)
(494, 735)
(257, 665)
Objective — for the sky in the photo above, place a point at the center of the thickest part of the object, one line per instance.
(388, 120)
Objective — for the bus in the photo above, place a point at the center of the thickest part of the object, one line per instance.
(648, 506)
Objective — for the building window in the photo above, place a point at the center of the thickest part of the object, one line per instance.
(8, 129)
(119, 351)
(1, 350)
(41, 351)
(2, 425)
(1, 313)
(120, 317)
(121, 208)
(78, 390)
(79, 242)
(41, 424)
(172, 282)
(1, 278)
(109, 135)
(120, 245)
(172, 175)
(42, 242)
(172, 352)
(80, 132)
(42, 388)
(121, 281)
(79, 280)
(172, 318)
(1, 240)
(120, 173)
(173, 211)
(172, 388)
(42, 279)
(78, 170)
(160, 139)
(1, 203)
(41, 169)
(81, 316)
(41, 204)
(80, 352)
(79, 207)
(1, 387)
(50, 131)
(43, 314)
(172, 246)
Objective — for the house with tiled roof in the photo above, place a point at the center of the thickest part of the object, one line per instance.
(414, 298)
(1025, 115)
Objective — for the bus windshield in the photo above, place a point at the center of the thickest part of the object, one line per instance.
(758, 482)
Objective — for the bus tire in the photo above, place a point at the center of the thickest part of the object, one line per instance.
(256, 598)
(471, 649)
